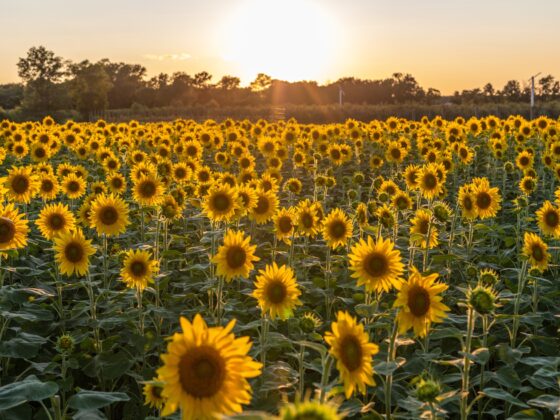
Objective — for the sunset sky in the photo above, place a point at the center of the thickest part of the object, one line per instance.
(446, 44)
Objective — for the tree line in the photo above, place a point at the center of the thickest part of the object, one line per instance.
(51, 83)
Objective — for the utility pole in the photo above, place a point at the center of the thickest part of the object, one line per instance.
(340, 95)
(533, 93)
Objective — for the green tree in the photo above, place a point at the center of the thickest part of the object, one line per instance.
(90, 87)
(41, 70)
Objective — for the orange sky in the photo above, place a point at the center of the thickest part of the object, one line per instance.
(449, 45)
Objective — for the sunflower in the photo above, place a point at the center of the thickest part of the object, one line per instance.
(205, 371)
(429, 182)
(148, 190)
(73, 186)
(22, 184)
(49, 188)
(466, 201)
(284, 224)
(486, 199)
(152, 394)
(116, 183)
(220, 203)
(420, 303)
(247, 199)
(73, 252)
(55, 219)
(337, 228)
(350, 346)
(267, 204)
(39, 152)
(548, 219)
(181, 172)
(536, 250)
(13, 228)
(524, 160)
(377, 265)
(528, 184)
(307, 218)
(236, 256)
(401, 201)
(138, 269)
(421, 224)
(309, 409)
(109, 215)
(277, 291)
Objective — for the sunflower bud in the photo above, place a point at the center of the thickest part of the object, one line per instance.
(383, 197)
(488, 277)
(359, 178)
(427, 390)
(442, 212)
(352, 194)
(508, 167)
(65, 344)
(483, 300)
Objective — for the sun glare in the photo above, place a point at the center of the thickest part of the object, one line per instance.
(286, 39)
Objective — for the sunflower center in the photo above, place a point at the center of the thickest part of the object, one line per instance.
(202, 372)
(524, 161)
(551, 218)
(56, 222)
(337, 229)
(40, 152)
(376, 264)
(7, 230)
(538, 253)
(74, 252)
(138, 268)
(467, 203)
(73, 186)
(221, 202)
(262, 205)
(116, 182)
(423, 227)
(307, 220)
(351, 352)
(335, 154)
(236, 257)
(20, 184)
(430, 181)
(180, 173)
(395, 153)
(483, 200)
(148, 189)
(109, 215)
(418, 301)
(276, 292)
(285, 224)
(47, 185)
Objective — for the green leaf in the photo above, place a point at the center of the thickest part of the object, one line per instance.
(91, 400)
(552, 402)
(500, 394)
(528, 414)
(30, 389)
(24, 346)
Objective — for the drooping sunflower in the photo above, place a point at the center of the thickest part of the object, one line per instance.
(536, 250)
(109, 215)
(55, 219)
(13, 228)
(411, 176)
(236, 256)
(421, 225)
(148, 190)
(138, 269)
(22, 184)
(337, 228)
(73, 186)
(466, 201)
(420, 303)
(72, 252)
(377, 265)
(401, 201)
(205, 371)
(486, 199)
(221, 202)
(267, 204)
(548, 219)
(277, 291)
(350, 346)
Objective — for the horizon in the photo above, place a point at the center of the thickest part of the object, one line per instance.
(510, 40)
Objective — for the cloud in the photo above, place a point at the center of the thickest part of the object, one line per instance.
(174, 57)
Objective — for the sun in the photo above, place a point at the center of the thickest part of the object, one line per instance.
(286, 39)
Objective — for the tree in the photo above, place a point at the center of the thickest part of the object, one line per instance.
(512, 90)
(228, 83)
(89, 87)
(488, 90)
(201, 80)
(546, 84)
(11, 95)
(126, 79)
(41, 70)
(261, 83)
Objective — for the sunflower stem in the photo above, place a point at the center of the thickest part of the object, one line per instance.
(520, 286)
(301, 366)
(391, 353)
(466, 365)
(327, 283)
(140, 312)
(264, 336)
(327, 364)
(105, 262)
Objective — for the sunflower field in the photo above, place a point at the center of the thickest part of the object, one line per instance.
(386, 270)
